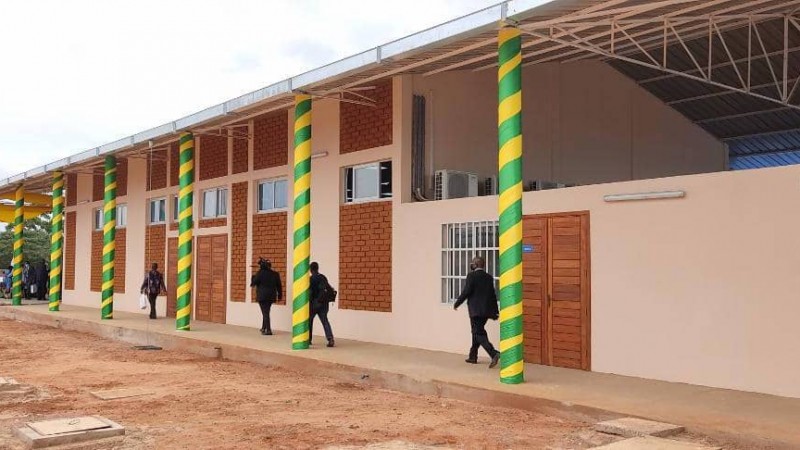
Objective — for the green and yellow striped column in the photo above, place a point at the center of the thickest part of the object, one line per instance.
(509, 124)
(109, 236)
(302, 221)
(56, 240)
(16, 259)
(185, 226)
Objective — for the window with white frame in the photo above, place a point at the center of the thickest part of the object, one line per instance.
(158, 211)
(460, 243)
(174, 208)
(215, 203)
(368, 182)
(273, 195)
(122, 217)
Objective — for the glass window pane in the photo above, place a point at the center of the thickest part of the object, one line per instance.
(152, 211)
(222, 203)
(366, 182)
(266, 196)
(281, 194)
(209, 203)
(175, 208)
(162, 210)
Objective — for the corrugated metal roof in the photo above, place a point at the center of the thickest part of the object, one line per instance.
(760, 161)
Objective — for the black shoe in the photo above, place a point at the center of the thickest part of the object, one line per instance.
(331, 343)
(471, 361)
(495, 360)
(261, 331)
(152, 317)
(266, 333)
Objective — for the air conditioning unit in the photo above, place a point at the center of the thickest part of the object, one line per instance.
(454, 184)
(490, 186)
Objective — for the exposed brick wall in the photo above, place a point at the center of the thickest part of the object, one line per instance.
(213, 156)
(96, 283)
(362, 127)
(98, 185)
(365, 256)
(157, 169)
(238, 280)
(174, 164)
(71, 186)
(120, 257)
(241, 159)
(271, 140)
(269, 241)
(211, 223)
(122, 177)
(69, 250)
(155, 246)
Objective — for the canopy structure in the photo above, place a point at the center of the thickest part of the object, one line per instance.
(31, 212)
(730, 66)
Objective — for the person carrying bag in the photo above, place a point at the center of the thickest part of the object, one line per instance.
(152, 286)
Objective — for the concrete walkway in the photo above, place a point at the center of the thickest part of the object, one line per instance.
(764, 420)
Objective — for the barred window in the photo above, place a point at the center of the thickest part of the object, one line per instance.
(460, 243)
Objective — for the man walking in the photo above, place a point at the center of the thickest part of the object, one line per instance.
(41, 280)
(322, 294)
(481, 300)
(268, 289)
(153, 285)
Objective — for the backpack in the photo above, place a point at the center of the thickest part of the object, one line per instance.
(328, 293)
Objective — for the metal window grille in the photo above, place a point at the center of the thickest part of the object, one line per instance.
(460, 243)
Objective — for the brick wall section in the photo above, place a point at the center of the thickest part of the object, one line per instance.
(241, 159)
(69, 250)
(96, 283)
(122, 177)
(157, 169)
(271, 140)
(174, 164)
(212, 223)
(119, 260)
(365, 256)
(213, 156)
(155, 247)
(71, 186)
(362, 127)
(98, 185)
(269, 241)
(238, 280)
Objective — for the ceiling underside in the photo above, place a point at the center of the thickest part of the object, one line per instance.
(728, 65)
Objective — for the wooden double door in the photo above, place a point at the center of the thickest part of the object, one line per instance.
(211, 274)
(556, 290)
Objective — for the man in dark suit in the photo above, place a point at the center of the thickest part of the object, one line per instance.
(481, 298)
(268, 289)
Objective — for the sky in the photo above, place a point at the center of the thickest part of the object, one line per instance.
(83, 73)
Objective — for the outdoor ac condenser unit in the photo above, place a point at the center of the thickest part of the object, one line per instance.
(454, 184)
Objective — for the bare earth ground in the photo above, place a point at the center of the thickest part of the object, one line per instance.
(203, 403)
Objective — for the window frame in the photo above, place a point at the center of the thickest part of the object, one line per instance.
(272, 181)
(216, 215)
(381, 195)
(458, 255)
(99, 217)
(150, 202)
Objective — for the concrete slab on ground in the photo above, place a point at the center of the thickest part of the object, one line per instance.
(654, 443)
(50, 433)
(8, 383)
(394, 445)
(114, 394)
(630, 427)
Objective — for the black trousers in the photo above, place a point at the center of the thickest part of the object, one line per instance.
(152, 299)
(41, 290)
(322, 313)
(480, 338)
(265, 323)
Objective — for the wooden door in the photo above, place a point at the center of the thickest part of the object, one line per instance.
(211, 286)
(172, 276)
(556, 290)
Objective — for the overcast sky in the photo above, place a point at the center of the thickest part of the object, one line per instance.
(76, 74)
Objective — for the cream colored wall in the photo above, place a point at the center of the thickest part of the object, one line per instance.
(582, 123)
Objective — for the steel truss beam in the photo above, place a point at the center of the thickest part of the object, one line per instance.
(678, 33)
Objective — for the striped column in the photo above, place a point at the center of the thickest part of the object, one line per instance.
(56, 241)
(302, 222)
(109, 236)
(16, 259)
(185, 227)
(509, 124)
